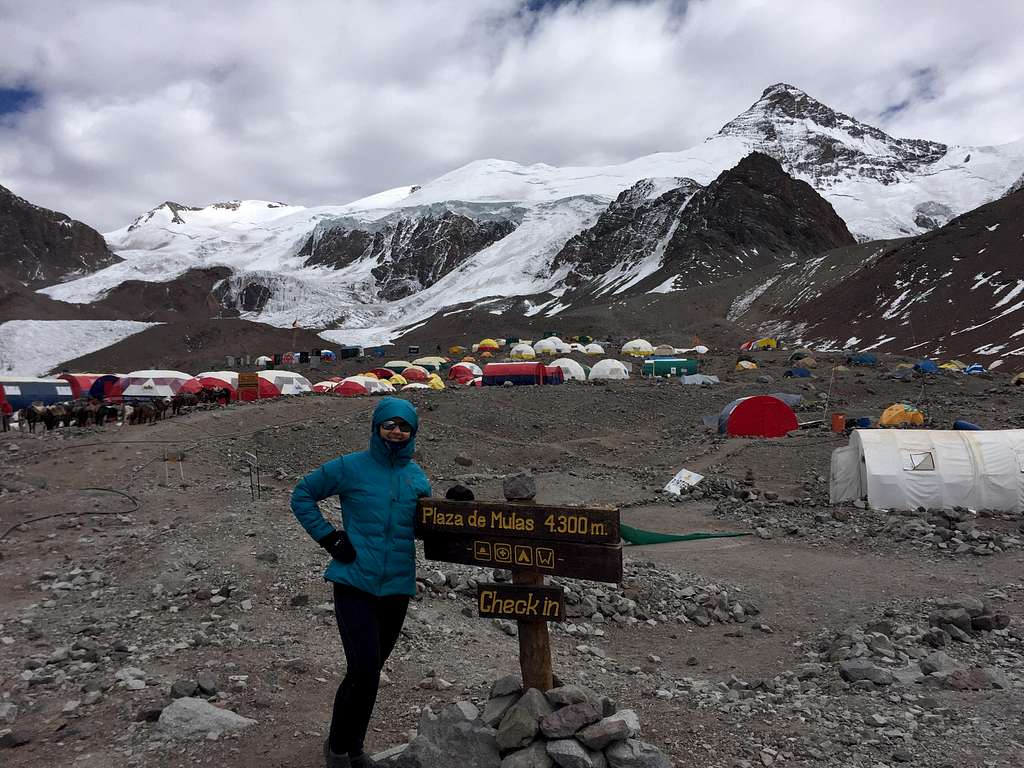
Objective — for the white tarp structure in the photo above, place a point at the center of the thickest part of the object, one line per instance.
(287, 382)
(609, 369)
(931, 468)
(153, 384)
(570, 369)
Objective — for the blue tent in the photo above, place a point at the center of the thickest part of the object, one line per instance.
(865, 358)
(21, 393)
(328, 355)
(797, 373)
(926, 366)
(974, 368)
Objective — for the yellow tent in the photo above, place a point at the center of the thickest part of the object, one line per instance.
(953, 365)
(745, 365)
(369, 375)
(901, 414)
(398, 380)
(488, 344)
(434, 381)
(456, 350)
(469, 359)
(765, 343)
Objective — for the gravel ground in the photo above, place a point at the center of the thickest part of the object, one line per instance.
(731, 650)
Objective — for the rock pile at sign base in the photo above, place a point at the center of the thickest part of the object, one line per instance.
(568, 727)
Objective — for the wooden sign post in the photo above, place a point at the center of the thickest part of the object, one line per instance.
(532, 541)
(249, 382)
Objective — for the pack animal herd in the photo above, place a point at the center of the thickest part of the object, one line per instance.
(85, 411)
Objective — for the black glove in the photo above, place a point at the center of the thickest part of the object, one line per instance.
(339, 546)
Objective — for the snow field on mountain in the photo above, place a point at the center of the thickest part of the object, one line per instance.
(33, 347)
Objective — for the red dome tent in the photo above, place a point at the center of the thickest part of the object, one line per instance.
(107, 388)
(215, 383)
(416, 373)
(80, 383)
(351, 388)
(381, 373)
(759, 416)
(265, 389)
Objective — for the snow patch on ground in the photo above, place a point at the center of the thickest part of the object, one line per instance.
(34, 347)
(743, 302)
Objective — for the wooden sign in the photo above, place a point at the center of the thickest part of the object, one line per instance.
(520, 603)
(597, 562)
(586, 525)
(249, 382)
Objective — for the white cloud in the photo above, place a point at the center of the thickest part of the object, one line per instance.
(324, 102)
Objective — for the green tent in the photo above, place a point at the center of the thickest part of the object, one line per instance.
(669, 367)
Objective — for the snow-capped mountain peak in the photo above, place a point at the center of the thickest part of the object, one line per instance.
(826, 146)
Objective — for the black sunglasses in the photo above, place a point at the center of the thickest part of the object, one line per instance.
(391, 424)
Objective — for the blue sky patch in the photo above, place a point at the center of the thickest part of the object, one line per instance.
(16, 100)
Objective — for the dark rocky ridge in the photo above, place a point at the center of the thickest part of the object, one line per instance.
(776, 122)
(958, 289)
(412, 253)
(40, 247)
(627, 232)
(750, 216)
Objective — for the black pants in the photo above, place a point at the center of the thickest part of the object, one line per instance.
(369, 628)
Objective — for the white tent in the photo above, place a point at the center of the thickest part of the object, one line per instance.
(594, 349)
(638, 348)
(154, 384)
(570, 369)
(264, 360)
(522, 352)
(609, 369)
(287, 382)
(575, 346)
(548, 346)
(373, 385)
(934, 469)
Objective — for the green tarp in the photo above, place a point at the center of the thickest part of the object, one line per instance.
(637, 536)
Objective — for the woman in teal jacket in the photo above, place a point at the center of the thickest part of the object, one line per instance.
(373, 561)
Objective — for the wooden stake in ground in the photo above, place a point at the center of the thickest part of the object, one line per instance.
(534, 640)
(534, 643)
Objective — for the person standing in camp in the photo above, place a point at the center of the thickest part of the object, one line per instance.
(373, 561)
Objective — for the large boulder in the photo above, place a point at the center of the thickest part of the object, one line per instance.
(566, 721)
(534, 756)
(522, 721)
(855, 670)
(569, 753)
(190, 718)
(455, 738)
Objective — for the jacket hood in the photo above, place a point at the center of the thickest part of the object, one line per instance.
(393, 408)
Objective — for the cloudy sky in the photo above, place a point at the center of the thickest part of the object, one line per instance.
(109, 107)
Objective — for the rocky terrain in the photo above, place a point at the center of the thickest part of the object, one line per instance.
(39, 247)
(135, 593)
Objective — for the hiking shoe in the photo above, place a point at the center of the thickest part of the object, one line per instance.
(334, 760)
(362, 760)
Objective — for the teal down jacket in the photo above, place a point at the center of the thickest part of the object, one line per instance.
(378, 489)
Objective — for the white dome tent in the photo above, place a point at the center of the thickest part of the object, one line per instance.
(571, 370)
(155, 384)
(594, 349)
(287, 382)
(638, 348)
(609, 369)
(522, 352)
(547, 346)
(264, 360)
